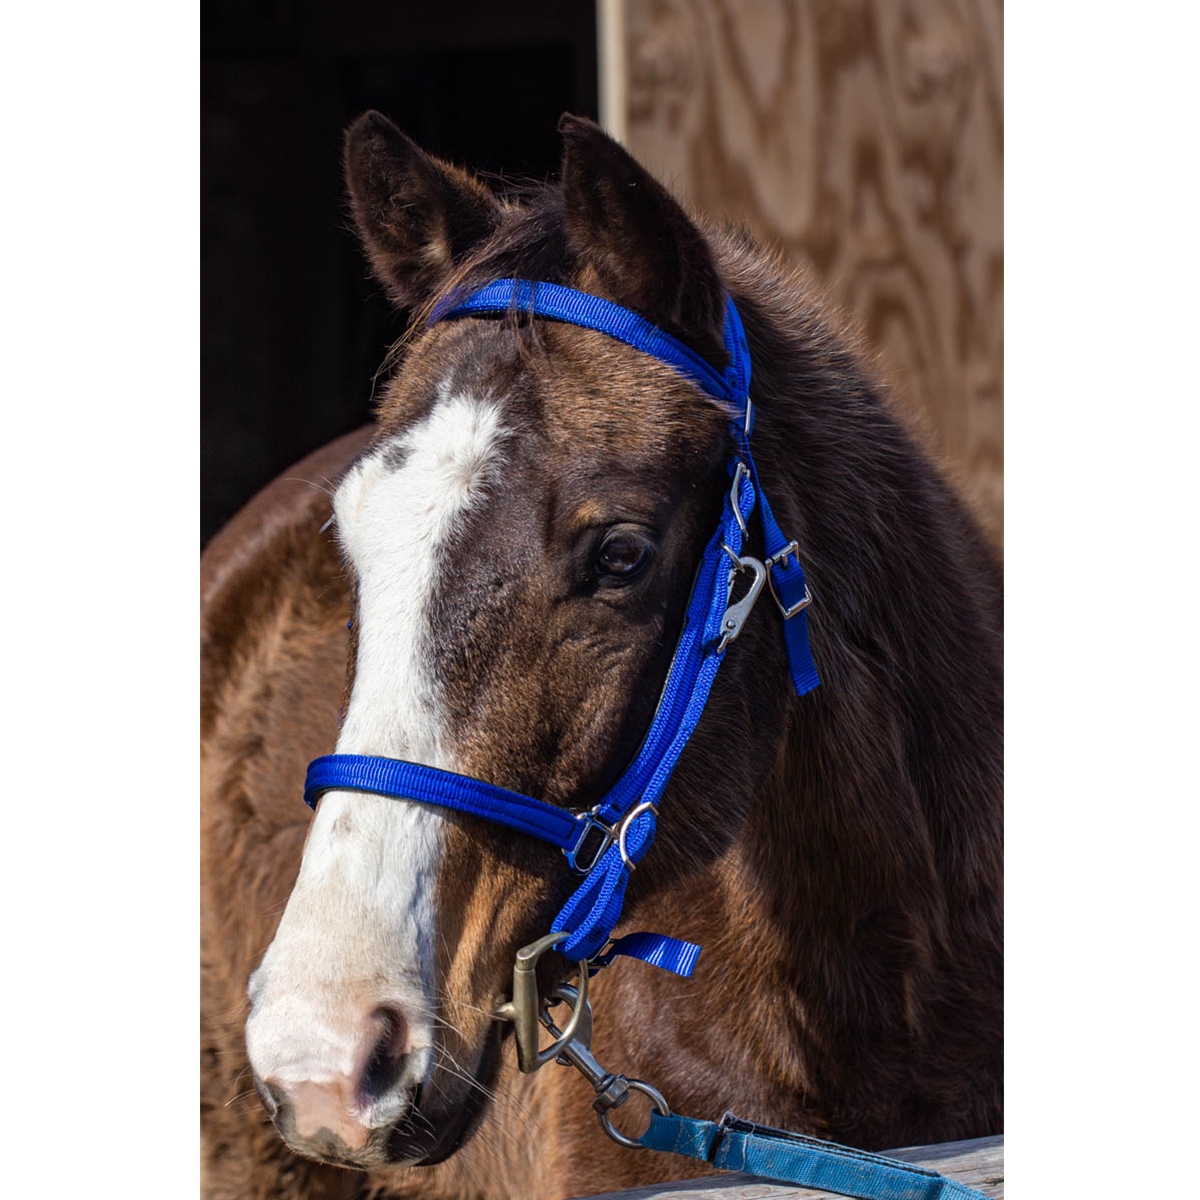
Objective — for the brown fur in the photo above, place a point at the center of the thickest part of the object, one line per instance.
(838, 855)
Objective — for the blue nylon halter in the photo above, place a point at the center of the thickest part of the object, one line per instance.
(619, 830)
(624, 821)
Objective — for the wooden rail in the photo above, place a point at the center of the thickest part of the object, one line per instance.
(978, 1164)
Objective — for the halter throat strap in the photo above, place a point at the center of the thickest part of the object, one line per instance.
(606, 843)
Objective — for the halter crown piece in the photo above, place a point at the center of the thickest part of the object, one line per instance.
(605, 843)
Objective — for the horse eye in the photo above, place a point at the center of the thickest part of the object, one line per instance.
(623, 555)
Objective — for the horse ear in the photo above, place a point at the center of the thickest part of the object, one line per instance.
(416, 215)
(624, 224)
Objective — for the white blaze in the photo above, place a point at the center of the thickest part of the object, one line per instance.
(358, 930)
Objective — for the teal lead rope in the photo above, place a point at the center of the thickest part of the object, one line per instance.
(736, 1145)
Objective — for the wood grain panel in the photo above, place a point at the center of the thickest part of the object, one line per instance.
(865, 137)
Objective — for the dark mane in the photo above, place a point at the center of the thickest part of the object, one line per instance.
(894, 780)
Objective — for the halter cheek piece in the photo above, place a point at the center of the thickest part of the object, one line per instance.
(606, 843)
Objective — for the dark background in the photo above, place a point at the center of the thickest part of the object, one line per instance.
(293, 330)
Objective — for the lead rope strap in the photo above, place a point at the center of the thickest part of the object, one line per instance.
(733, 1144)
(736, 1145)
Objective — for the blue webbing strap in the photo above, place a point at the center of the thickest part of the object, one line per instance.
(592, 911)
(790, 587)
(670, 953)
(573, 307)
(737, 1145)
(410, 781)
(594, 908)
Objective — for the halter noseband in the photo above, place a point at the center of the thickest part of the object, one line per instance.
(605, 843)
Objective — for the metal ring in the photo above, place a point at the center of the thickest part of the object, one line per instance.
(623, 828)
(660, 1106)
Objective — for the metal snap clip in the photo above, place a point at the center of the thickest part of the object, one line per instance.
(612, 1090)
(736, 614)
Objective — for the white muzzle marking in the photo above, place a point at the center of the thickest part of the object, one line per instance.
(357, 935)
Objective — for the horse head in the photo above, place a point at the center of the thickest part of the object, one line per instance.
(521, 538)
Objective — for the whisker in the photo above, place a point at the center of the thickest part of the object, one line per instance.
(328, 490)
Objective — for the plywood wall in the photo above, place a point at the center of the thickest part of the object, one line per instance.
(867, 138)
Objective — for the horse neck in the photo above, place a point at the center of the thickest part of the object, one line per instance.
(832, 952)
(887, 783)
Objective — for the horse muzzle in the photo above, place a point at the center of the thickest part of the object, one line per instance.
(334, 1078)
(347, 1085)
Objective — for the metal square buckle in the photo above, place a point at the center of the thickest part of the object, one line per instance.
(590, 824)
(791, 550)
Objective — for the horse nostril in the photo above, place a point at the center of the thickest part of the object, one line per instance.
(269, 1097)
(386, 1064)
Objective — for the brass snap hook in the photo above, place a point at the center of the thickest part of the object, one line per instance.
(525, 1007)
(612, 1090)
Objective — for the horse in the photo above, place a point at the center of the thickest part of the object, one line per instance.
(495, 589)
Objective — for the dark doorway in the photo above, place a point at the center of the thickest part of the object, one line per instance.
(293, 331)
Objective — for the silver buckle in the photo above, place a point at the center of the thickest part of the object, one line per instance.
(590, 821)
(791, 550)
